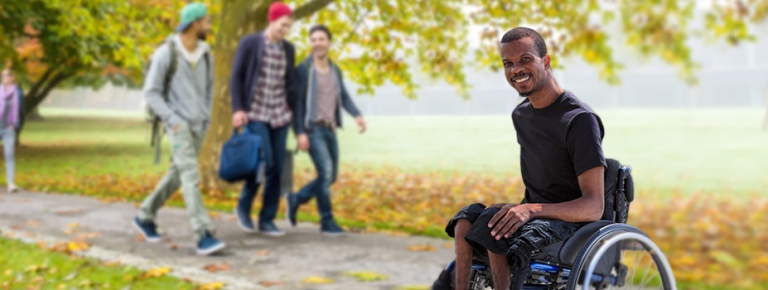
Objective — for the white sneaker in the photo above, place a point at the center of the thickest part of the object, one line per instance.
(12, 188)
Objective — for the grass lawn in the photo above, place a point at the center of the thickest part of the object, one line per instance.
(24, 266)
(715, 151)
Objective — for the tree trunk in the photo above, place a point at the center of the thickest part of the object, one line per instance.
(238, 18)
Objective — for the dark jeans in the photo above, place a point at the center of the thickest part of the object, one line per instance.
(274, 153)
(324, 150)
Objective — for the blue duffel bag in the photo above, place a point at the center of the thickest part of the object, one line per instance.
(241, 157)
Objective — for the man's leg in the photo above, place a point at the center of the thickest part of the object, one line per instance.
(321, 157)
(312, 189)
(251, 185)
(463, 254)
(271, 199)
(185, 147)
(9, 144)
(500, 270)
(163, 191)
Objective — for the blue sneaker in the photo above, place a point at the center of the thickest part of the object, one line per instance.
(209, 245)
(332, 229)
(270, 229)
(293, 207)
(148, 230)
(244, 220)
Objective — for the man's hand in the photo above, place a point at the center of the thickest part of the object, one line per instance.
(303, 142)
(239, 119)
(510, 218)
(361, 124)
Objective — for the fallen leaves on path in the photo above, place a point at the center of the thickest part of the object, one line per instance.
(139, 238)
(268, 284)
(214, 215)
(71, 211)
(33, 223)
(317, 280)
(211, 286)
(422, 248)
(366, 276)
(213, 268)
(262, 253)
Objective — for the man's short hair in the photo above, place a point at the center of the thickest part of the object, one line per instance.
(523, 32)
(323, 28)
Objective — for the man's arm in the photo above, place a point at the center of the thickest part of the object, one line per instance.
(238, 74)
(211, 78)
(583, 142)
(587, 208)
(153, 86)
(346, 100)
(349, 105)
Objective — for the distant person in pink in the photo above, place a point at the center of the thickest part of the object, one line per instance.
(9, 122)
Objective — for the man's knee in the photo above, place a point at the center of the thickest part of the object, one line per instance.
(461, 228)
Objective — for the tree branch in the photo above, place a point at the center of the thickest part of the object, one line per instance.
(39, 83)
(310, 8)
(35, 100)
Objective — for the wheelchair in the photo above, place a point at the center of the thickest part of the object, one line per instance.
(607, 254)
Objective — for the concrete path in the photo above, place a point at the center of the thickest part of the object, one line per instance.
(254, 260)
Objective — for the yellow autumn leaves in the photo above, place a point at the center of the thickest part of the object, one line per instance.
(708, 239)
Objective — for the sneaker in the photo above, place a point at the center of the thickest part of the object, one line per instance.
(332, 229)
(270, 229)
(148, 229)
(12, 188)
(244, 220)
(209, 245)
(292, 208)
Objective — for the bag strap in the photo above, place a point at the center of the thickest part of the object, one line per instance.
(157, 133)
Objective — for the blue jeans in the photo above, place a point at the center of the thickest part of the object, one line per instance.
(274, 153)
(324, 150)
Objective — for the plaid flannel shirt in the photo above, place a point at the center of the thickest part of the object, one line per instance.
(269, 104)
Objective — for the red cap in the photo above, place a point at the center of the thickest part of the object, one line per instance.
(277, 10)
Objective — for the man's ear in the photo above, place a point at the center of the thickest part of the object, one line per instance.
(547, 61)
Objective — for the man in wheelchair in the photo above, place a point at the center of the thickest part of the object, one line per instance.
(562, 166)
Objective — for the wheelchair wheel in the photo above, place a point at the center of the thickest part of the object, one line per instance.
(620, 256)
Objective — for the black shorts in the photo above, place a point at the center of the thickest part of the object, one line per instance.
(535, 234)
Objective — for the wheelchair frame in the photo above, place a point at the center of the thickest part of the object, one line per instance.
(546, 274)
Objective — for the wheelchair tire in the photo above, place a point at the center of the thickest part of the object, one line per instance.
(610, 240)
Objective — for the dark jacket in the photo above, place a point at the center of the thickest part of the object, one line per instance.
(245, 72)
(306, 105)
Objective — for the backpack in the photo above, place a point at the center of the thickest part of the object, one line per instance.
(157, 136)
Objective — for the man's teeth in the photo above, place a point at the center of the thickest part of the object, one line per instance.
(522, 80)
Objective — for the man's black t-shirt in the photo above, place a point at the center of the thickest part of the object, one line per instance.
(557, 144)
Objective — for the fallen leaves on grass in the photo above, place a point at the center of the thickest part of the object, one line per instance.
(155, 272)
(317, 280)
(686, 228)
(422, 248)
(414, 287)
(70, 247)
(211, 286)
(213, 268)
(366, 276)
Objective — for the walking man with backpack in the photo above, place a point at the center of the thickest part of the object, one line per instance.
(179, 90)
(263, 101)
